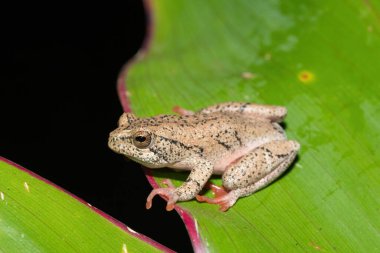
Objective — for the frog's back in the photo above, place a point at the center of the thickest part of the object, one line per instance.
(236, 130)
(228, 130)
(214, 131)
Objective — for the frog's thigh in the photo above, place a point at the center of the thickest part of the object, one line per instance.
(274, 113)
(260, 167)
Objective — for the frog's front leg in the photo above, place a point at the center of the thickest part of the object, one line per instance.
(254, 171)
(197, 178)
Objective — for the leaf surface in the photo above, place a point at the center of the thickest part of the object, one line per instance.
(36, 216)
(320, 59)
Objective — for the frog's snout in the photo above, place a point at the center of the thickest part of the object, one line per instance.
(116, 139)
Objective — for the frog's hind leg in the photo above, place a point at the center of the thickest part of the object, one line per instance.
(254, 171)
(271, 112)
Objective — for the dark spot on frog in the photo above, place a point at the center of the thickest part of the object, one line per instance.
(123, 138)
(194, 148)
(237, 137)
(281, 155)
(194, 181)
(242, 108)
(225, 145)
(159, 153)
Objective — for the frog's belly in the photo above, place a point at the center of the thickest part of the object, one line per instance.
(226, 159)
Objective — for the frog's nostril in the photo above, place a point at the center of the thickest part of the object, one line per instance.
(114, 137)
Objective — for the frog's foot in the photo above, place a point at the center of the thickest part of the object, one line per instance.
(167, 193)
(181, 111)
(222, 198)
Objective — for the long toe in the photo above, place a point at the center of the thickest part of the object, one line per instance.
(170, 205)
(224, 204)
(201, 198)
(149, 199)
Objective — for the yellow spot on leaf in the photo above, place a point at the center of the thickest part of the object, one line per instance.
(2, 195)
(306, 77)
(26, 186)
(315, 246)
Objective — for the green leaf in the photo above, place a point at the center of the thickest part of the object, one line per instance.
(320, 59)
(36, 216)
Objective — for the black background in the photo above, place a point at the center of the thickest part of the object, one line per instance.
(59, 102)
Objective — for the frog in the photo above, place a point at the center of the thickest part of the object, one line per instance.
(244, 143)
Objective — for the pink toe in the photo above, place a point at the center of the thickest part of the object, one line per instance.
(223, 208)
(169, 207)
(148, 204)
(202, 198)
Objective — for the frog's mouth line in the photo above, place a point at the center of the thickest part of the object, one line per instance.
(144, 163)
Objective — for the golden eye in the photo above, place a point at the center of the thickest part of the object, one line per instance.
(142, 139)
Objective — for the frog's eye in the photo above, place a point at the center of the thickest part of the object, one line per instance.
(142, 139)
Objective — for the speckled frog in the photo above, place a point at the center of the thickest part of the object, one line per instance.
(243, 142)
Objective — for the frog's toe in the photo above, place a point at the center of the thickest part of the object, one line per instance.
(201, 198)
(166, 193)
(170, 205)
(153, 193)
(224, 201)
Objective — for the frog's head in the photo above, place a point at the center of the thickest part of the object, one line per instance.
(137, 142)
